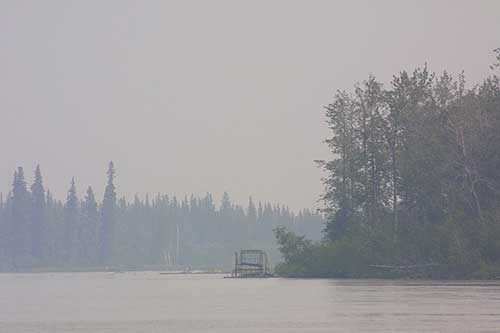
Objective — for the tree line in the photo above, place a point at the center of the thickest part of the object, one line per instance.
(40, 232)
(413, 186)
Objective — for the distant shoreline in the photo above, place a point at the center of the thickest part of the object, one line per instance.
(160, 270)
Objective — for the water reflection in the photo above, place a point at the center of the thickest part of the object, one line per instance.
(149, 301)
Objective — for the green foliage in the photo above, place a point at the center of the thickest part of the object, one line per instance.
(497, 63)
(157, 233)
(87, 231)
(413, 188)
(71, 221)
(18, 243)
(38, 215)
(106, 235)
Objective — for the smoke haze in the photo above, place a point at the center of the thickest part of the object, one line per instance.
(189, 97)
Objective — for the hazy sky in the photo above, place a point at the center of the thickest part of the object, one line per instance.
(196, 96)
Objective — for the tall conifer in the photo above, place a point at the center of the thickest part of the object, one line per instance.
(70, 223)
(19, 243)
(108, 218)
(37, 214)
(89, 223)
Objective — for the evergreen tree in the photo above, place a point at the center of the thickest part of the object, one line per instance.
(156, 232)
(52, 231)
(225, 202)
(71, 222)
(259, 212)
(251, 210)
(89, 225)
(252, 220)
(19, 241)
(38, 217)
(108, 218)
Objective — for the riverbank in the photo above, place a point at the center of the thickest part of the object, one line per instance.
(360, 257)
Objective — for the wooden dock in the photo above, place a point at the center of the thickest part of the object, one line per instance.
(251, 264)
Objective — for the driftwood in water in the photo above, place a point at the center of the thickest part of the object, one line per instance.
(405, 267)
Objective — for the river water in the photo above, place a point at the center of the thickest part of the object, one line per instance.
(154, 302)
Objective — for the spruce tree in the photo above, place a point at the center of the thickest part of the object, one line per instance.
(19, 243)
(37, 215)
(89, 224)
(252, 220)
(108, 218)
(225, 203)
(70, 224)
(52, 235)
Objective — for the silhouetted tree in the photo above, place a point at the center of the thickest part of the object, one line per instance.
(71, 222)
(38, 215)
(89, 225)
(108, 218)
(160, 232)
(19, 232)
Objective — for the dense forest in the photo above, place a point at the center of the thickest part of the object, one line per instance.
(39, 232)
(413, 186)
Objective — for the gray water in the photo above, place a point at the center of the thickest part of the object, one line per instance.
(152, 302)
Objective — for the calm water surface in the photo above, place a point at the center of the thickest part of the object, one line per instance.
(152, 302)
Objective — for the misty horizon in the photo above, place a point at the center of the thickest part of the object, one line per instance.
(249, 166)
(81, 189)
(208, 97)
